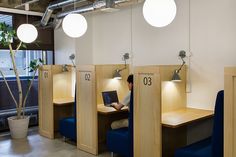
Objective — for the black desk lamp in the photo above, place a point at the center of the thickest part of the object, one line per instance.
(117, 74)
(176, 77)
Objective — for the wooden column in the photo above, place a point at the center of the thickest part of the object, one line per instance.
(46, 125)
(230, 112)
(147, 112)
(86, 110)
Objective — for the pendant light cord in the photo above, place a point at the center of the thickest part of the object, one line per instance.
(75, 39)
(27, 9)
(189, 80)
(131, 38)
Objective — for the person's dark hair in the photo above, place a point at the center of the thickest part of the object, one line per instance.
(130, 78)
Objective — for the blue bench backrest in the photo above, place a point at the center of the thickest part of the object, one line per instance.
(218, 128)
(130, 129)
(75, 106)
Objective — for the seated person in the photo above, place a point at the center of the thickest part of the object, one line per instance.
(118, 106)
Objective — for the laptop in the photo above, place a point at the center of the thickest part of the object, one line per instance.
(109, 97)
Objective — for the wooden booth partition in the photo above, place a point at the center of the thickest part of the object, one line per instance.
(230, 112)
(86, 109)
(161, 115)
(147, 112)
(106, 115)
(45, 104)
(56, 97)
(173, 104)
(155, 97)
(94, 118)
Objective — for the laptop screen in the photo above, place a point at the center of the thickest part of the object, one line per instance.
(109, 97)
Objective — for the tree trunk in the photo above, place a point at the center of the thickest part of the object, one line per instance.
(19, 107)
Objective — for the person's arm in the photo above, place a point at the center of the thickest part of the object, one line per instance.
(117, 106)
(125, 102)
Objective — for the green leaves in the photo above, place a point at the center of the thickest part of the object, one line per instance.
(7, 34)
(34, 64)
(23, 45)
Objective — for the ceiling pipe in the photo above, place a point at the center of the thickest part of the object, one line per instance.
(55, 5)
(25, 3)
(91, 7)
(78, 11)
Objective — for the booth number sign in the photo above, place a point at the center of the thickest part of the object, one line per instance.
(87, 77)
(147, 81)
(45, 73)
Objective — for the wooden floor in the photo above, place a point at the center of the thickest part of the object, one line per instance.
(38, 146)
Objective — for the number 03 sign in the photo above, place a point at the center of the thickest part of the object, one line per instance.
(147, 81)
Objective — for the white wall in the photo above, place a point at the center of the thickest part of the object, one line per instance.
(64, 47)
(81, 47)
(84, 44)
(111, 36)
(212, 43)
(213, 30)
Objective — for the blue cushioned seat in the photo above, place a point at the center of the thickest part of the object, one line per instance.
(67, 126)
(210, 147)
(120, 137)
(199, 149)
(120, 141)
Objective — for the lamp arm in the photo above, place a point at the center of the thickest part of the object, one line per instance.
(181, 65)
(119, 70)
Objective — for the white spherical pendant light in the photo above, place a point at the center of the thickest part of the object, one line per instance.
(74, 25)
(27, 33)
(159, 13)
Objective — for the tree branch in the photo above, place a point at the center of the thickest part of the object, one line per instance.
(28, 90)
(19, 46)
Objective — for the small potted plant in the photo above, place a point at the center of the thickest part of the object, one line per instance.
(18, 124)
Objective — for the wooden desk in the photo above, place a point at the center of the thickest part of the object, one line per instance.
(107, 115)
(102, 109)
(174, 127)
(63, 101)
(184, 116)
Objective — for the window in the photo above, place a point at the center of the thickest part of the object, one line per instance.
(6, 18)
(23, 58)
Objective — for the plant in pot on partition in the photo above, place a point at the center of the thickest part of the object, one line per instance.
(18, 124)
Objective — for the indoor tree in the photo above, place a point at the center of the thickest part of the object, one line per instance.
(7, 36)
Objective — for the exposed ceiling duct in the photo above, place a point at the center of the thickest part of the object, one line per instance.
(100, 4)
(26, 3)
(55, 5)
(80, 10)
(103, 5)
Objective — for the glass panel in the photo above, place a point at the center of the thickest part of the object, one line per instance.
(23, 58)
(6, 18)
